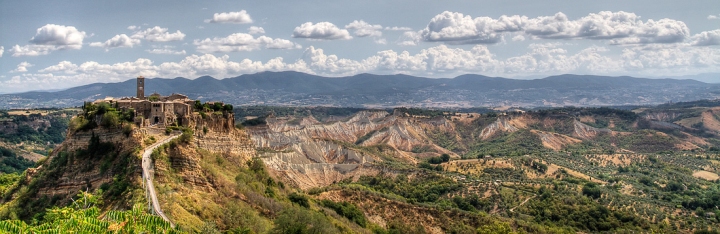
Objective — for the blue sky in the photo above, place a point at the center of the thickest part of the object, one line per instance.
(61, 44)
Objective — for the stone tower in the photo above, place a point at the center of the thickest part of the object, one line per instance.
(141, 87)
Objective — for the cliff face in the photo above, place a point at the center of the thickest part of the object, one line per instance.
(307, 153)
(501, 124)
(215, 134)
(109, 158)
(86, 160)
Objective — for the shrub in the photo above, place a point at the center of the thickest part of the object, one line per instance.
(298, 220)
(187, 135)
(110, 119)
(127, 129)
(347, 210)
(299, 199)
(591, 190)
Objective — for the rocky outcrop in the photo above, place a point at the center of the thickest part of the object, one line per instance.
(80, 173)
(309, 154)
(555, 141)
(186, 162)
(500, 125)
(584, 131)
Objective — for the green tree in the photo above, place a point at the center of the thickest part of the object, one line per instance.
(110, 119)
(297, 220)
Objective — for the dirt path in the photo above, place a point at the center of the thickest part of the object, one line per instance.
(522, 203)
(148, 177)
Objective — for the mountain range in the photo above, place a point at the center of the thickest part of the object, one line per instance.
(369, 90)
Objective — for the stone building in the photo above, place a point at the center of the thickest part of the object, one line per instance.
(156, 110)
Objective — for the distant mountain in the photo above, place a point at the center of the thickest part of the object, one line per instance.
(704, 77)
(295, 88)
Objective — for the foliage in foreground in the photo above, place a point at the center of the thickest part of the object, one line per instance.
(83, 216)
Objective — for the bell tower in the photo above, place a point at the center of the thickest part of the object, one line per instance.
(141, 87)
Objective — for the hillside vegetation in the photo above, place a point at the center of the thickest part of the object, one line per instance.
(405, 170)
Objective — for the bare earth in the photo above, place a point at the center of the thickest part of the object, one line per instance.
(706, 175)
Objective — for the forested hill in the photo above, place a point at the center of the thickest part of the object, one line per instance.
(282, 88)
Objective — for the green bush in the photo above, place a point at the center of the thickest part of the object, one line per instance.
(299, 199)
(110, 119)
(298, 220)
(347, 210)
(591, 190)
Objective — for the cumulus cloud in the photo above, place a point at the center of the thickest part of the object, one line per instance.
(437, 61)
(617, 27)
(65, 66)
(321, 31)
(395, 28)
(409, 38)
(457, 28)
(117, 41)
(242, 42)
(58, 35)
(670, 60)
(239, 17)
(712, 17)
(158, 34)
(364, 29)
(67, 74)
(706, 38)
(133, 27)
(32, 50)
(22, 67)
(166, 51)
(2, 50)
(50, 38)
(256, 30)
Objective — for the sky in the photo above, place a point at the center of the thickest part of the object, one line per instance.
(47, 45)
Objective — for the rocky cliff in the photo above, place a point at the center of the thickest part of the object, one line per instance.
(309, 154)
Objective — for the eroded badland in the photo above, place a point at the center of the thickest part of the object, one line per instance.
(409, 170)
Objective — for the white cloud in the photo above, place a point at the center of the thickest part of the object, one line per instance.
(166, 51)
(133, 27)
(706, 38)
(159, 34)
(256, 30)
(50, 38)
(321, 31)
(2, 50)
(518, 38)
(712, 17)
(117, 41)
(670, 61)
(395, 28)
(32, 50)
(437, 61)
(67, 74)
(22, 67)
(64, 66)
(320, 63)
(456, 28)
(58, 35)
(242, 42)
(617, 27)
(364, 29)
(240, 17)
(541, 59)
(409, 38)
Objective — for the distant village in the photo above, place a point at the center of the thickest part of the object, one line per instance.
(155, 110)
